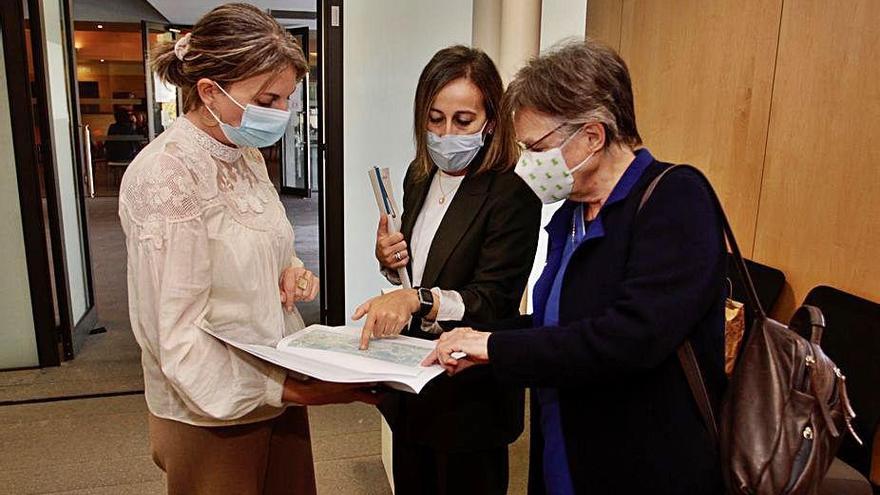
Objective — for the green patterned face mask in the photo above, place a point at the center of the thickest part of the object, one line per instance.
(547, 174)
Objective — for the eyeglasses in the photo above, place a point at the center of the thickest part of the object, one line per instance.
(530, 147)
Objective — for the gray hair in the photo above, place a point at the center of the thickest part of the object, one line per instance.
(579, 81)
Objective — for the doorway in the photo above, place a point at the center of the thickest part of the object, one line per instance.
(112, 95)
(96, 104)
(293, 162)
(53, 117)
(125, 106)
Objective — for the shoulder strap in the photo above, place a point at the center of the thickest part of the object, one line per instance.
(686, 356)
(694, 377)
(739, 262)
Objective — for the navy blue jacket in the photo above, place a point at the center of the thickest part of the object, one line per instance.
(633, 292)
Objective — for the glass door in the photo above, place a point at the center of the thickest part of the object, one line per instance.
(110, 79)
(57, 120)
(162, 99)
(296, 146)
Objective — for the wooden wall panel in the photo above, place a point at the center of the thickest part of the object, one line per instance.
(819, 218)
(702, 76)
(603, 21)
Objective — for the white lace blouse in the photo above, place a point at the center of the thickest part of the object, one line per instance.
(207, 240)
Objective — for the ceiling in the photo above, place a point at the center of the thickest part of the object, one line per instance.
(188, 12)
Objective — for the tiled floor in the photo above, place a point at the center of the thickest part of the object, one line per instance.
(100, 446)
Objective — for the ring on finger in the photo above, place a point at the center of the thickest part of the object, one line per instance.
(397, 256)
(302, 283)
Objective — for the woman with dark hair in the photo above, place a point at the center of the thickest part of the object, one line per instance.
(624, 286)
(468, 240)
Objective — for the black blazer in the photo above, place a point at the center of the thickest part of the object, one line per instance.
(484, 249)
(630, 297)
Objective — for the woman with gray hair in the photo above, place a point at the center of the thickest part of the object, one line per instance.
(622, 289)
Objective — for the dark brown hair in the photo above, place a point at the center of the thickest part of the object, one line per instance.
(453, 63)
(231, 43)
(579, 81)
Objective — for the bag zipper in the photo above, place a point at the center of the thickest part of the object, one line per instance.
(848, 413)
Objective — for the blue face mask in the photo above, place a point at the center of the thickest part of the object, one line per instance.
(260, 127)
(454, 152)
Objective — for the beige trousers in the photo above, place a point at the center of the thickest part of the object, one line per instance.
(271, 457)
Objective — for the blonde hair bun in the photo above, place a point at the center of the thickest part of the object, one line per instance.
(231, 43)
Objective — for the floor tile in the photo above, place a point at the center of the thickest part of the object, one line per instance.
(361, 476)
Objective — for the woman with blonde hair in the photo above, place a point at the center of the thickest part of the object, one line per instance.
(210, 248)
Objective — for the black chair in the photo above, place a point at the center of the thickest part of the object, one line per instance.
(768, 282)
(852, 340)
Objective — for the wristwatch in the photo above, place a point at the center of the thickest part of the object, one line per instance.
(426, 301)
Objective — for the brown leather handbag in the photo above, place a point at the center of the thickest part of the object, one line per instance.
(785, 409)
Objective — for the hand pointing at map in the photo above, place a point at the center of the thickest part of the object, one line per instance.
(386, 315)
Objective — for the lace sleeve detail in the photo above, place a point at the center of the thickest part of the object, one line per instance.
(162, 191)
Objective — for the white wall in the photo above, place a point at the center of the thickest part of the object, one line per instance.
(386, 43)
(18, 345)
(560, 19)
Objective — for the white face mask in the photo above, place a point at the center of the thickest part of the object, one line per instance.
(546, 172)
(454, 152)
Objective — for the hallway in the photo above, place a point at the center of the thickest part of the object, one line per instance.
(101, 447)
(109, 362)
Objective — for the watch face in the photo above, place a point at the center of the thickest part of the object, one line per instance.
(426, 296)
(426, 301)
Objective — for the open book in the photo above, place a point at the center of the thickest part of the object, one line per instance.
(331, 354)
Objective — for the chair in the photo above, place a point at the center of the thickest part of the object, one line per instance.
(842, 479)
(852, 340)
(768, 282)
(116, 171)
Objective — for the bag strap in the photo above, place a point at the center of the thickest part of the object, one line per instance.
(808, 318)
(685, 352)
(694, 376)
(739, 261)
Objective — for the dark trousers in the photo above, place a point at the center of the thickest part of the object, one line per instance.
(421, 470)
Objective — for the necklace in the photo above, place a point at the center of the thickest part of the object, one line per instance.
(443, 193)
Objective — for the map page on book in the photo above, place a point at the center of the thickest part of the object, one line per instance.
(331, 354)
(402, 351)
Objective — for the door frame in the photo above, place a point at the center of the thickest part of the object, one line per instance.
(69, 334)
(73, 342)
(45, 258)
(330, 148)
(330, 157)
(303, 192)
(148, 74)
(29, 196)
(175, 30)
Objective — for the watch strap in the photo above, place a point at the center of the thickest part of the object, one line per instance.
(426, 301)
